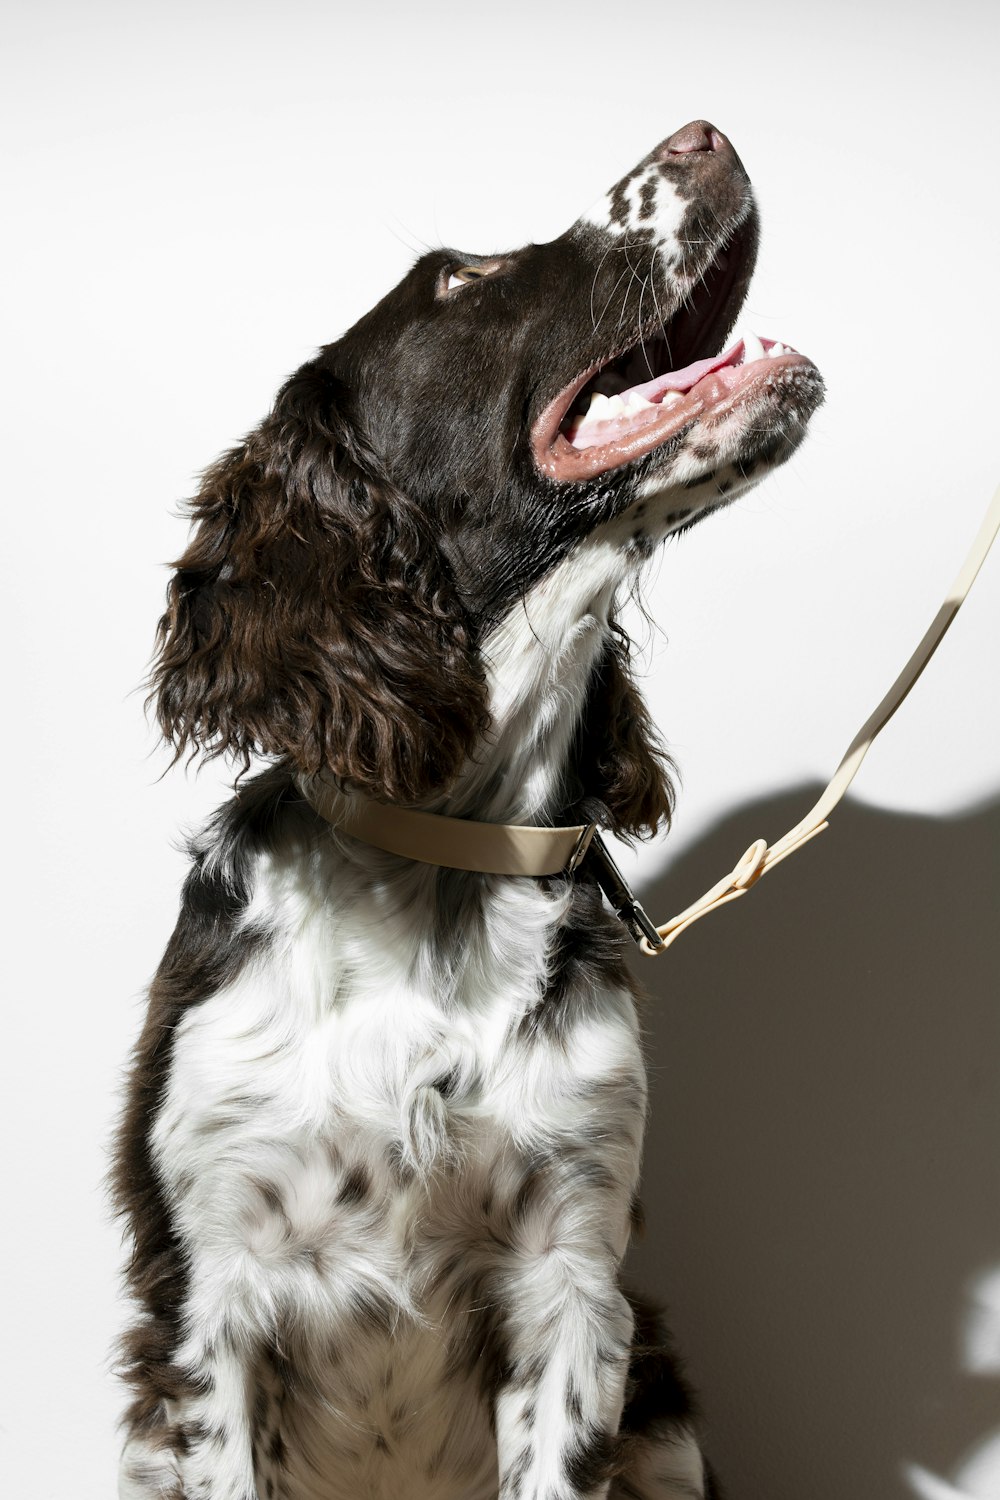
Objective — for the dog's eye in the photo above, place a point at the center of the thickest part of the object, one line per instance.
(460, 276)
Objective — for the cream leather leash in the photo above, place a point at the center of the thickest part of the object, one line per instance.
(513, 849)
(761, 857)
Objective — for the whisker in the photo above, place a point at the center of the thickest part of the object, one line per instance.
(610, 298)
(593, 285)
(635, 277)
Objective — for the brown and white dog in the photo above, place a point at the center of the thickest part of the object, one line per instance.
(381, 1150)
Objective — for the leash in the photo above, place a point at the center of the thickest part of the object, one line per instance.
(516, 849)
(760, 858)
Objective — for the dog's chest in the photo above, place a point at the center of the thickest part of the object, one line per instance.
(323, 1098)
(392, 1089)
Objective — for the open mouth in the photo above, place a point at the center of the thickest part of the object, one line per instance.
(641, 398)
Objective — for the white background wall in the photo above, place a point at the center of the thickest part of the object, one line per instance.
(196, 196)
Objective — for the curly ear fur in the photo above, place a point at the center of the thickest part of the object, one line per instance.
(625, 771)
(313, 614)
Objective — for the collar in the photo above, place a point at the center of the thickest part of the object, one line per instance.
(458, 843)
(489, 848)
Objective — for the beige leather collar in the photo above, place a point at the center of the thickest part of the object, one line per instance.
(513, 849)
(458, 843)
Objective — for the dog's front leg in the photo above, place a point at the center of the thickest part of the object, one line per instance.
(569, 1331)
(202, 1445)
(219, 1463)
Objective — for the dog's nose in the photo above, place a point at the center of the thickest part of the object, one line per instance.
(699, 135)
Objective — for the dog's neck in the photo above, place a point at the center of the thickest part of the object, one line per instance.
(539, 662)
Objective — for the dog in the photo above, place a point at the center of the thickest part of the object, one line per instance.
(380, 1152)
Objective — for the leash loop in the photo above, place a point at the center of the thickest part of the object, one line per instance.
(751, 866)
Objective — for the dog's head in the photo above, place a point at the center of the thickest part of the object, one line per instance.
(418, 477)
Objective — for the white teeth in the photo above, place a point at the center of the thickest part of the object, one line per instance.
(752, 348)
(598, 410)
(776, 350)
(605, 408)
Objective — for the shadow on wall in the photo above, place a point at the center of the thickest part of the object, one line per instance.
(821, 1177)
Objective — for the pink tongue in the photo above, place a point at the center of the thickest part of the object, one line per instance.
(683, 380)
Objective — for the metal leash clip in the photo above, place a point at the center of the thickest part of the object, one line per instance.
(616, 888)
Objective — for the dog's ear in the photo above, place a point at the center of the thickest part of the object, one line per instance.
(313, 614)
(625, 772)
